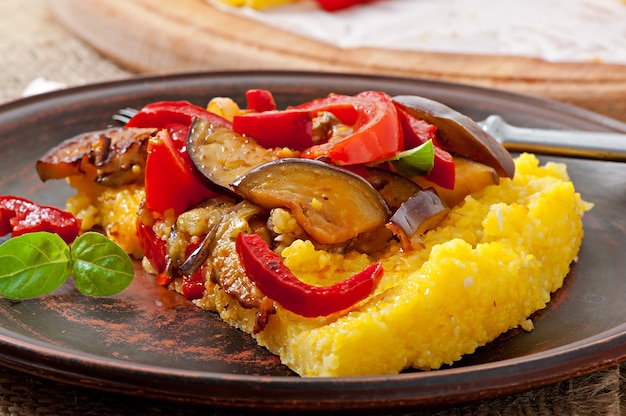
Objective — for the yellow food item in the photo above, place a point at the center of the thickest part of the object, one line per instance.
(112, 209)
(493, 262)
(489, 265)
(224, 107)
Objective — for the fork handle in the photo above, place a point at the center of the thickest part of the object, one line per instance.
(585, 144)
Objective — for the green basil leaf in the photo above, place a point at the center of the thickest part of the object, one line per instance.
(33, 264)
(101, 267)
(417, 161)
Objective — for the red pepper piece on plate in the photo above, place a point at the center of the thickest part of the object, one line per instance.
(343, 107)
(20, 216)
(260, 100)
(417, 132)
(266, 269)
(376, 132)
(164, 278)
(291, 128)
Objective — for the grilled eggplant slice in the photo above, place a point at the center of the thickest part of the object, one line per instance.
(221, 155)
(110, 157)
(331, 204)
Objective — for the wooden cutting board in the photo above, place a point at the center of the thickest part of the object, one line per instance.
(161, 36)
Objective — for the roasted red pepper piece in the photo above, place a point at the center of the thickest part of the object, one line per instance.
(266, 269)
(20, 216)
(170, 180)
(260, 100)
(154, 249)
(417, 132)
(376, 130)
(194, 285)
(162, 114)
(341, 106)
(279, 128)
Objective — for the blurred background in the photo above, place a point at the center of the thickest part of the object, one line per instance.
(572, 51)
(33, 44)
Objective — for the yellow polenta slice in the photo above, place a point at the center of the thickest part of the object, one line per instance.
(492, 263)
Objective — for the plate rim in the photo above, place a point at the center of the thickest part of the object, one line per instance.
(61, 365)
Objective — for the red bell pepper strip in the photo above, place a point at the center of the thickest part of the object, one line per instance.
(260, 100)
(376, 130)
(194, 286)
(162, 114)
(345, 112)
(417, 132)
(334, 5)
(169, 179)
(279, 128)
(164, 278)
(341, 106)
(266, 269)
(154, 249)
(20, 216)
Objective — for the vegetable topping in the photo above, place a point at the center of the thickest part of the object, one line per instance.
(375, 131)
(332, 205)
(175, 187)
(223, 198)
(459, 134)
(110, 157)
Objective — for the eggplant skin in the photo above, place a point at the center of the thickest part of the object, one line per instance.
(393, 187)
(459, 134)
(419, 214)
(331, 204)
(220, 155)
(111, 157)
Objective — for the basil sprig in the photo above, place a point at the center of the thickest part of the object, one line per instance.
(417, 161)
(36, 264)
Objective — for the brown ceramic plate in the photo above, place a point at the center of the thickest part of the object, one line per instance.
(149, 342)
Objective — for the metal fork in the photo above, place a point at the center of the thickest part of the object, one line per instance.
(124, 114)
(574, 143)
